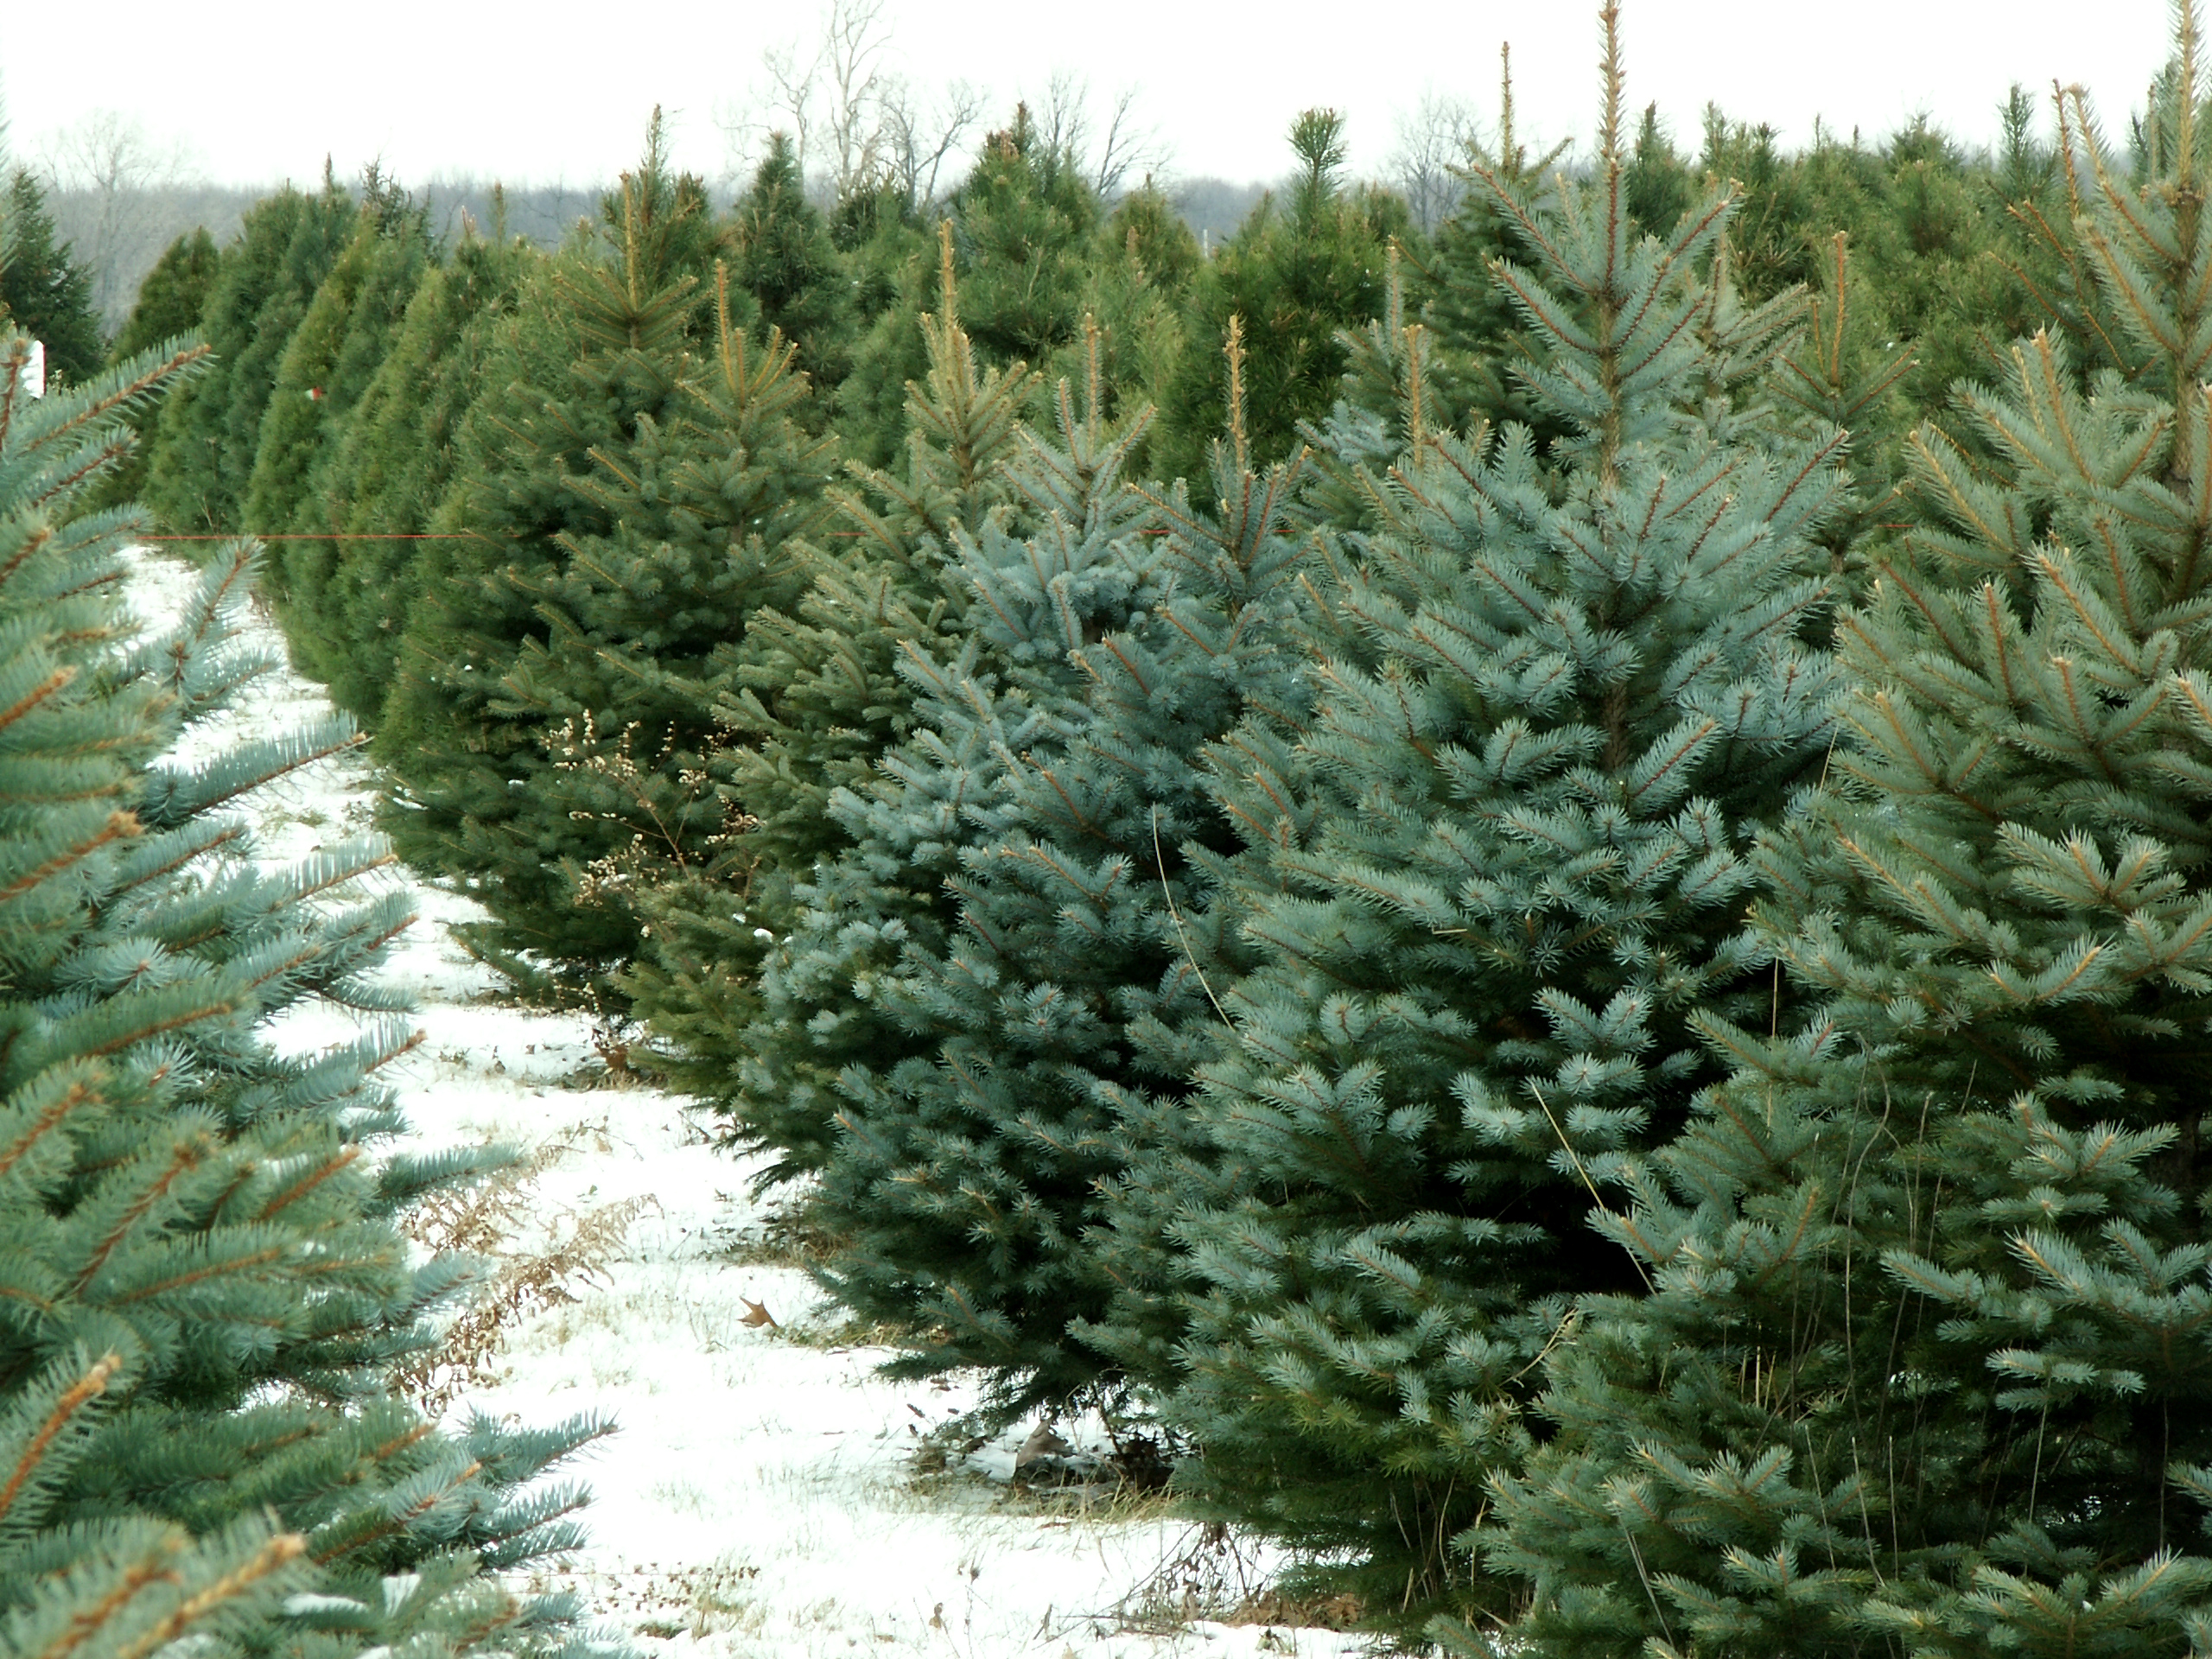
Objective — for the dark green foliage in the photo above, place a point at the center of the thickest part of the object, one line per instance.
(782, 253)
(173, 297)
(206, 444)
(43, 291)
(1029, 247)
(1933, 244)
(206, 1291)
(397, 461)
(818, 699)
(298, 484)
(1925, 1362)
(170, 304)
(1558, 694)
(626, 505)
(1297, 273)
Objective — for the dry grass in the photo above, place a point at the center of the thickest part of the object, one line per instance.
(482, 1220)
(1208, 1575)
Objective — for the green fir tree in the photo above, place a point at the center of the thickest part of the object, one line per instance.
(1297, 273)
(782, 253)
(208, 436)
(44, 291)
(626, 505)
(171, 300)
(297, 486)
(821, 703)
(397, 460)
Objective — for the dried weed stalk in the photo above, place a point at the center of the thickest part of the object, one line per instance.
(482, 1221)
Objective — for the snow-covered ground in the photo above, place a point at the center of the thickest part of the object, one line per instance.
(762, 1497)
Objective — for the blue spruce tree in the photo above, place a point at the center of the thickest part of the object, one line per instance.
(1925, 1365)
(1558, 690)
(204, 1292)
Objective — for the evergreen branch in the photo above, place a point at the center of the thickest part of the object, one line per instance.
(279, 1551)
(38, 695)
(120, 826)
(75, 1399)
(185, 1156)
(73, 1097)
(300, 1189)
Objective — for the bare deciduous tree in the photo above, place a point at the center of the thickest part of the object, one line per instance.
(105, 163)
(1435, 138)
(918, 136)
(848, 115)
(1065, 124)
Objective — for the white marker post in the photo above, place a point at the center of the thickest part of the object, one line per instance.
(35, 371)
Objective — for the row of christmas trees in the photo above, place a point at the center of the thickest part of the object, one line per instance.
(1588, 984)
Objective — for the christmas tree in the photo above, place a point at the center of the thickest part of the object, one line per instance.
(334, 357)
(396, 460)
(1558, 692)
(811, 700)
(171, 299)
(626, 505)
(783, 254)
(956, 993)
(206, 1291)
(209, 433)
(1297, 273)
(43, 291)
(1923, 1364)
(1026, 235)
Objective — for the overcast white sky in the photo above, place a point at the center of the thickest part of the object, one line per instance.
(259, 91)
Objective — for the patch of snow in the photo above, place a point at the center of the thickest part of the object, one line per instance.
(760, 1499)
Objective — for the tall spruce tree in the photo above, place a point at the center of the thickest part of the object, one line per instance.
(628, 505)
(1558, 694)
(203, 1290)
(1024, 233)
(810, 701)
(1925, 1367)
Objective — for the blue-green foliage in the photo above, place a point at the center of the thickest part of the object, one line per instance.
(1925, 1364)
(204, 1293)
(991, 932)
(1557, 693)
